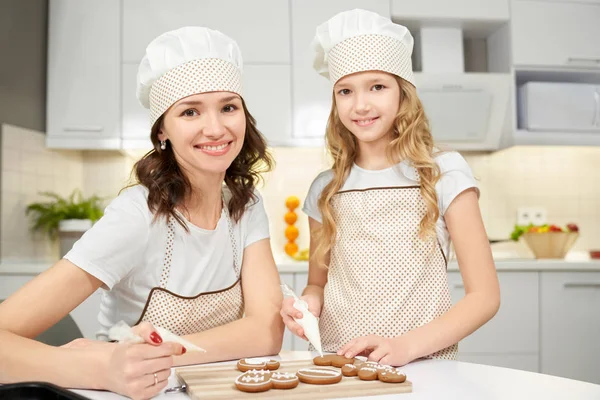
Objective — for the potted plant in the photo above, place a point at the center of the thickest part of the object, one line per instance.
(66, 218)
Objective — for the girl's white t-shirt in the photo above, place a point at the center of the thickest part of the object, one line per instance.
(125, 249)
(456, 177)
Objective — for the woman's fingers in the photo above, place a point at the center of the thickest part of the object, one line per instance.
(148, 333)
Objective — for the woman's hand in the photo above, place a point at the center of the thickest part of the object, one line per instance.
(288, 313)
(386, 351)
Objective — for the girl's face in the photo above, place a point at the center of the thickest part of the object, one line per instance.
(206, 131)
(367, 104)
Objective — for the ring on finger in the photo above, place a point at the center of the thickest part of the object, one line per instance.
(155, 379)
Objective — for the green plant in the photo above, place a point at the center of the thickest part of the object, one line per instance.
(47, 215)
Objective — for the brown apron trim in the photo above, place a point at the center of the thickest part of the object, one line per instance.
(379, 188)
(183, 297)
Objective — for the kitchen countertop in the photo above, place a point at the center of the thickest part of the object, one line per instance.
(442, 379)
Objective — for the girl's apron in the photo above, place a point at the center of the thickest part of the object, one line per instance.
(382, 279)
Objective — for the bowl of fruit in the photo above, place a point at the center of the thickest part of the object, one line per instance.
(547, 241)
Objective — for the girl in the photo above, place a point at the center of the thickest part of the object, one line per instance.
(186, 249)
(382, 218)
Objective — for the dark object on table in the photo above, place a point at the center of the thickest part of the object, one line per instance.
(37, 391)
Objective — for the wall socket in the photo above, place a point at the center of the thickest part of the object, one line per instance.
(532, 215)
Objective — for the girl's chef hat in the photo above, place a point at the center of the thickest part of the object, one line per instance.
(360, 40)
(184, 62)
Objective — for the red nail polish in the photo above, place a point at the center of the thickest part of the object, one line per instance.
(155, 337)
(183, 350)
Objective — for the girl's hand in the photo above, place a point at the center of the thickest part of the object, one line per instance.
(386, 351)
(288, 313)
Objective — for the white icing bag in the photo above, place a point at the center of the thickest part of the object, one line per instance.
(123, 333)
(308, 322)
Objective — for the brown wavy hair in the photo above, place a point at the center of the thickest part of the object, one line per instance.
(168, 186)
(411, 141)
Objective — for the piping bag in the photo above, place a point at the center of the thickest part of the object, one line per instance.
(308, 322)
(122, 332)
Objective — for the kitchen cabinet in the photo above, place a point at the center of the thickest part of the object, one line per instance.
(570, 324)
(561, 39)
(311, 93)
(498, 342)
(260, 27)
(83, 76)
(135, 119)
(297, 282)
(451, 10)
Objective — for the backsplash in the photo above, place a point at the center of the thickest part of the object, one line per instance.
(564, 180)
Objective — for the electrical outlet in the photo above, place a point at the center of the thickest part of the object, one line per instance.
(532, 215)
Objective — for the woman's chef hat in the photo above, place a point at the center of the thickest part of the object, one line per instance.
(184, 62)
(360, 40)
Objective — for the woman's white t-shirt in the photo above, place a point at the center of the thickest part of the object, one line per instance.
(456, 177)
(125, 249)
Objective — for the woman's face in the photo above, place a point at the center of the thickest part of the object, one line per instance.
(206, 131)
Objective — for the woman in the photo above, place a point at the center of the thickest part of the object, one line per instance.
(186, 249)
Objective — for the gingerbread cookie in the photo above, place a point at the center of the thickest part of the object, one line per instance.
(246, 364)
(349, 370)
(284, 380)
(367, 373)
(319, 376)
(333, 360)
(392, 375)
(252, 382)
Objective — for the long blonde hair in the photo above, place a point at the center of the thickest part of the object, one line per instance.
(411, 141)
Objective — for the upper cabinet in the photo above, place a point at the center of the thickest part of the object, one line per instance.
(84, 74)
(261, 28)
(555, 34)
(456, 9)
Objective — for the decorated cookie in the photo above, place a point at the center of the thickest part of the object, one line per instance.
(393, 375)
(319, 375)
(349, 370)
(333, 360)
(252, 382)
(284, 380)
(246, 364)
(367, 373)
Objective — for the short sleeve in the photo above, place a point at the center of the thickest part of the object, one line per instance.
(257, 222)
(456, 177)
(310, 206)
(115, 244)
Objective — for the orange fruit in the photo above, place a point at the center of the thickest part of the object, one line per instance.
(291, 248)
(291, 233)
(292, 202)
(290, 217)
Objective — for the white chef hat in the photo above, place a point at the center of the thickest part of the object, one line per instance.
(184, 62)
(360, 40)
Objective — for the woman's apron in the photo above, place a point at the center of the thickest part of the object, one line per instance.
(187, 315)
(382, 280)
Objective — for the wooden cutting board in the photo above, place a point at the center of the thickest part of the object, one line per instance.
(217, 382)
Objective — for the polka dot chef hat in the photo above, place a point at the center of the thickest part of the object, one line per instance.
(184, 62)
(360, 40)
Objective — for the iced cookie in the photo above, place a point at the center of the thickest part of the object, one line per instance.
(253, 382)
(333, 360)
(349, 370)
(319, 375)
(246, 364)
(367, 373)
(284, 380)
(392, 375)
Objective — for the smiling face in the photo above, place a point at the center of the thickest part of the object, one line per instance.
(206, 131)
(367, 104)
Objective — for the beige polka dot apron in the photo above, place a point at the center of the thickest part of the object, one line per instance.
(382, 279)
(187, 315)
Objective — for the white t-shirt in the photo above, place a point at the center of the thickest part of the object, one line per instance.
(125, 249)
(456, 177)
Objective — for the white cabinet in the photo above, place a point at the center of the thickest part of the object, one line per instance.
(312, 92)
(456, 9)
(297, 282)
(135, 119)
(566, 35)
(83, 86)
(570, 325)
(260, 27)
(513, 332)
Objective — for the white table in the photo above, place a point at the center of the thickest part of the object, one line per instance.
(439, 379)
